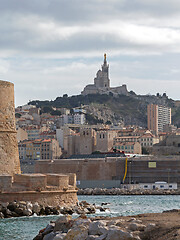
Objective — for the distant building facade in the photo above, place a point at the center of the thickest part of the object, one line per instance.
(102, 83)
(104, 140)
(128, 147)
(39, 149)
(158, 117)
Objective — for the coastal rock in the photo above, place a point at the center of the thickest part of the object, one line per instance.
(85, 222)
(38, 237)
(66, 210)
(63, 223)
(49, 236)
(48, 229)
(12, 206)
(97, 228)
(55, 211)
(36, 208)
(42, 211)
(48, 210)
(91, 209)
(7, 213)
(117, 234)
(29, 205)
(77, 233)
(96, 237)
(14, 214)
(136, 227)
(23, 205)
(59, 236)
(150, 227)
(84, 204)
(19, 211)
(27, 212)
(1, 215)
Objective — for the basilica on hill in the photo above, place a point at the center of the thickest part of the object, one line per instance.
(102, 83)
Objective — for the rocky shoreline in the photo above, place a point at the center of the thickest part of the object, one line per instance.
(21, 208)
(120, 191)
(154, 226)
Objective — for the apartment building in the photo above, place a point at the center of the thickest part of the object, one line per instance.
(50, 149)
(39, 149)
(128, 147)
(157, 117)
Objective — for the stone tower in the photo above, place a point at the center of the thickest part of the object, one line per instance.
(102, 77)
(9, 155)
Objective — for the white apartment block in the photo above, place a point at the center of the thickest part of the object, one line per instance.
(79, 118)
(158, 117)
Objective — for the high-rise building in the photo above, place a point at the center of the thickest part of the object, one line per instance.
(157, 117)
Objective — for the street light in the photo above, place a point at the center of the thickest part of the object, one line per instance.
(130, 172)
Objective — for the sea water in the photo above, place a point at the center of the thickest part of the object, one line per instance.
(26, 228)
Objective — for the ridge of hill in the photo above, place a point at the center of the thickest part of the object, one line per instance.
(103, 108)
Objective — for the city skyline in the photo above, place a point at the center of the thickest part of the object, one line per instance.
(49, 48)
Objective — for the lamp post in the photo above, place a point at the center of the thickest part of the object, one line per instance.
(130, 172)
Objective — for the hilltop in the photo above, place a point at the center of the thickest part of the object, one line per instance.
(107, 108)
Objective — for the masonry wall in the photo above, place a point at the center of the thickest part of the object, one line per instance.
(46, 198)
(139, 170)
(9, 156)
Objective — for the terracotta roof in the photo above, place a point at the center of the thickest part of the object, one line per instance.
(46, 140)
(127, 137)
(147, 135)
(125, 143)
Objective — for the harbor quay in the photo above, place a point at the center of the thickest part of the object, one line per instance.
(109, 172)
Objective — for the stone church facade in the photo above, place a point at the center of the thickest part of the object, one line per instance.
(102, 83)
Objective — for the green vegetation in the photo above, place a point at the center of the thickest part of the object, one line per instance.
(49, 109)
(132, 109)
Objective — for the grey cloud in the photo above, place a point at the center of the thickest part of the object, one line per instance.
(81, 11)
(41, 51)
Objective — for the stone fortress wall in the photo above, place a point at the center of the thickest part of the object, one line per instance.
(9, 155)
(46, 189)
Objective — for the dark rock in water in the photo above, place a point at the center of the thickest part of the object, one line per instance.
(1, 215)
(19, 211)
(1, 208)
(12, 206)
(48, 229)
(84, 204)
(102, 204)
(102, 209)
(27, 212)
(49, 236)
(47, 210)
(91, 209)
(42, 211)
(55, 211)
(14, 214)
(38, 237)
(67, 210)
(172, 210)
(7, 213)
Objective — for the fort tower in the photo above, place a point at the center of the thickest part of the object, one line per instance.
(9, 156)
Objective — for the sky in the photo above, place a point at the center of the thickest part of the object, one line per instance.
(53, 47)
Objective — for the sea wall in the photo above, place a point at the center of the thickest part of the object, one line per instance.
(45, 198)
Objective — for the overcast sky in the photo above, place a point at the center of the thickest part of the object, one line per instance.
(52, 47)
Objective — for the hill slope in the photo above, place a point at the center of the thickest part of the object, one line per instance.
(130, 109)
